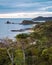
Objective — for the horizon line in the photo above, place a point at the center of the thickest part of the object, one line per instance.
(26, 15)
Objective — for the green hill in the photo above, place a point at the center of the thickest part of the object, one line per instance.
(43, 32)
(41, 52)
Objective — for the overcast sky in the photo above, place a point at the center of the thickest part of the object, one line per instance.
(25, 8)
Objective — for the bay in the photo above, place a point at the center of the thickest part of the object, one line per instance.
(5, 29)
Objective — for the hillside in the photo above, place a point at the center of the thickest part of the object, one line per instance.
(40, 18)
(43, 33)
(41, 52)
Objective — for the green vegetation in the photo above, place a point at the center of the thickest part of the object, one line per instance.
(4, 59)
(30, 49)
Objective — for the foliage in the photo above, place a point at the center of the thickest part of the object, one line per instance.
(4, 59)
(35, 54)
(22, 36)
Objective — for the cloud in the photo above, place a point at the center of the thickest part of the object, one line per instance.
(45, 8)
(12, 4)
(25, 6)
(25, 15)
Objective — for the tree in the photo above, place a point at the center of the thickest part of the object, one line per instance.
(22, 40)
(4, 58)
(9, 47)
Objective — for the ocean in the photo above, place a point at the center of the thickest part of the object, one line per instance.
(5, 29)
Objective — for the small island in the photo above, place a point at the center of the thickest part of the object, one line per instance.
(8, 22)
(28, 22)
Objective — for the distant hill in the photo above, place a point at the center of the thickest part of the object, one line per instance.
(36, 20)
(40, 18)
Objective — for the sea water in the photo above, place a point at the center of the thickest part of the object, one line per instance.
(5, 29)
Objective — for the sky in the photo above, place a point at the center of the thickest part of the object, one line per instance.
(25, 8)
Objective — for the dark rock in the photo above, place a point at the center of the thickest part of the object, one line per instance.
(8, 22)
(21, 30)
